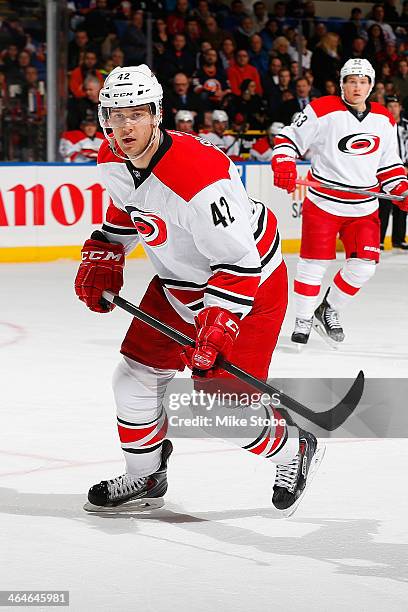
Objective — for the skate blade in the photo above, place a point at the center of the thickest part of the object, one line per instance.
(316, 461)
(134, 505)
(322, 333)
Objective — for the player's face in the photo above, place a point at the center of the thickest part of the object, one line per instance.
(395, 110)
(356, 90)
(219, 127)
(132, 128)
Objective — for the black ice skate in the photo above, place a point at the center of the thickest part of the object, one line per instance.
(327, 324)
(302, 330)
(293, 478)
(126, 493)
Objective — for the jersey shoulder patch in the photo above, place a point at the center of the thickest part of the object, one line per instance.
(190, 165)
(105, 154)
(378, 109)
(327, 104)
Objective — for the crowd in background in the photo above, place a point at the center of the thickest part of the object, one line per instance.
(241, 59)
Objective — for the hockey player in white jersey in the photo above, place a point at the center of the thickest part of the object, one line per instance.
(220, 278)
(352, 143)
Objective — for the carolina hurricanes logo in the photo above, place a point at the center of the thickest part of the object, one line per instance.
(152, 228)
(359, 144)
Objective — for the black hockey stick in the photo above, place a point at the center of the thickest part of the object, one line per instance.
(330, 419)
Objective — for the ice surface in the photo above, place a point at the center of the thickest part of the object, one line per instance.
(217, 545)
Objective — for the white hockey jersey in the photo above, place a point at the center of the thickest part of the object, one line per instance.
(76, 147)
(210, 244)
(227, 143)
(345, 151)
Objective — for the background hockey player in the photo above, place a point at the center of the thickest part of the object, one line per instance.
(262, 149)
(81, 146)
(352, 143)
(184, 120)
(226, 142)
(220, 278)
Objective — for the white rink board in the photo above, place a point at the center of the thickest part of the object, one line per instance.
(48, 210)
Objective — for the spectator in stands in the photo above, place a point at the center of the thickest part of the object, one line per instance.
(217, 136)
(244, 32)
(403, 20)
(309, 21)
(213, 33)
(320, 32)
(390, 12)
(199, 59)
(280, 49)
(330, 88)
(133, 42)
(227, 53)
(117, 57)
(301, 99)
(210, 82)
(306, 53)
(193, 35)
(98, 22)
(78, 75)
(314, 92)
(243, 71)
(390, 56)
(77, 48)
(326, 60)
(274, 95)
(184, 120)
(385, 73)
(176, 20)
(161, 36)
(9, 58)
(176, 59)
(271, 78)
(86, 108)
(400, 82)
(378, 18)
(81, 146)
(294, 70)
(233, 20)
(351, 30)
(16, 32)
(258, 57)
(180, 97)
(270, 33)
(356, 49)
(260, 15)
(250, 106)
(279, 13)
(202, 12)
(261, 149)
(375, 44)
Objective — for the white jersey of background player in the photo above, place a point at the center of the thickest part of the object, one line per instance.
(226, 142)
(352, 143)
(220, 279)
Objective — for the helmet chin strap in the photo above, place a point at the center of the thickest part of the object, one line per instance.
(350, 103)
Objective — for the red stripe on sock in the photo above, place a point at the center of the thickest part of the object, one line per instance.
(305, 289)
(344, 286)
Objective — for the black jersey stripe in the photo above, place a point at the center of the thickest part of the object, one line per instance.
(261, 222)
(139, 451)
(234, 268)
(267, 258)
(120, 231)
(230, 298)
(182, 284)
(326, 180)
(340, 201)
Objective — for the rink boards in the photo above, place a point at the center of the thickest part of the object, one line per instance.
(48, 210)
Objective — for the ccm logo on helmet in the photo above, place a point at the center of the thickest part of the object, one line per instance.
(359, 144)
(122, 95)
(152, 228)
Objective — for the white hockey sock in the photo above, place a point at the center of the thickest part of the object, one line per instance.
(349, 280)
(142, 421)
(308, 280)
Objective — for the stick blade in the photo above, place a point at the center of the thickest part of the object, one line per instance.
(336, 416)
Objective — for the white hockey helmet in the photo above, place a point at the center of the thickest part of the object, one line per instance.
(358, 67)
(219, 115)
(125, 87)
(184, 115)
(275, 128)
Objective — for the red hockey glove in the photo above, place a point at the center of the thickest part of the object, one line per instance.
(284, 172)
(101, 268)
(217, 330)
(401, 190)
